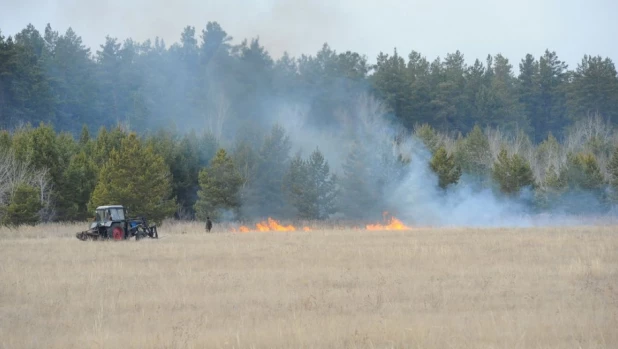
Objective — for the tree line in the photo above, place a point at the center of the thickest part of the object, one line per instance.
(187, 130)
(207, 82)
(49, 176)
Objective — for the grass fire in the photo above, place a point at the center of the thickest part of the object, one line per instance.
(273, 225)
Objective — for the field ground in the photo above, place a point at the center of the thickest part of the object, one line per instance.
(425, 288)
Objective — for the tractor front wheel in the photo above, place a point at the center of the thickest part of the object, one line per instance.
(117, 232)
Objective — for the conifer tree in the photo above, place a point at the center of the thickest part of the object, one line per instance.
(474, 156)
(81, 178)
(360, 198)
(136, 177)
(585, 183)
(264, 196)
(512, 173)
(583, 172)
(24, 207)
(295, 184)
(219, 187)
(443, 164)
(321, 187)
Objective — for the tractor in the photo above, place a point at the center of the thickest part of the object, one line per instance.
(110, 223)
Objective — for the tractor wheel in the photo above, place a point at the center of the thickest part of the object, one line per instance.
(117, 232)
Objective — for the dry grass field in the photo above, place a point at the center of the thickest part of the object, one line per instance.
(425, 288)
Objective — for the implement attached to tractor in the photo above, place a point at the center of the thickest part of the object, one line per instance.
(110, 224)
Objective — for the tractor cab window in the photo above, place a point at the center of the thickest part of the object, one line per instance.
(110, 214)
(117, 214)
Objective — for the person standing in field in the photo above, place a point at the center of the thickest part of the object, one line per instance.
(208, 224)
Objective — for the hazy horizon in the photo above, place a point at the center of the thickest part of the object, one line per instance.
(476, 28)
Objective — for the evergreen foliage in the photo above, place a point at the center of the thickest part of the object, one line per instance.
(219, 188)
(474, 155)
(138, 178)
(187, 100)
(24, 207)
(443, 164)
(512, 173)
(311, 188)
(53, 77)
(264, 195)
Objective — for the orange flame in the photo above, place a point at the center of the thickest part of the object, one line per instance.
(270, 225)
(393, 224)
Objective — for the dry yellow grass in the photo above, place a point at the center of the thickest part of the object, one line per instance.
(428, 288)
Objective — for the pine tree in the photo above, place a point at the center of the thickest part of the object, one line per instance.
(321, 187)
(81, 177)
(552, 94)
(136, 177)
(585, 183)
(594, 89)
(443, 164)
(512, 173)
(295, 184)
(219, 187)
(529, 95)
(360, 198)
(24, 207)
(474, 156)
(264, 196)
(583, 172)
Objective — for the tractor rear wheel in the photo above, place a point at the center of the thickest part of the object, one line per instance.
(117, 232)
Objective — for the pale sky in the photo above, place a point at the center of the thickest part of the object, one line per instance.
(572, 28)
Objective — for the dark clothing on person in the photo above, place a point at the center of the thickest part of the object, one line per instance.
(208, 224)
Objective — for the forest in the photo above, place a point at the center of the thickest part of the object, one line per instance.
(206, 127)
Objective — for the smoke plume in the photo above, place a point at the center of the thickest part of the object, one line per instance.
(411, 191)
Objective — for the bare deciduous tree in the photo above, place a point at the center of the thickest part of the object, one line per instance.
(14, 172)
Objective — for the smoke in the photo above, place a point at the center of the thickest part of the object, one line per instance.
(411, 191)
(408, 190)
